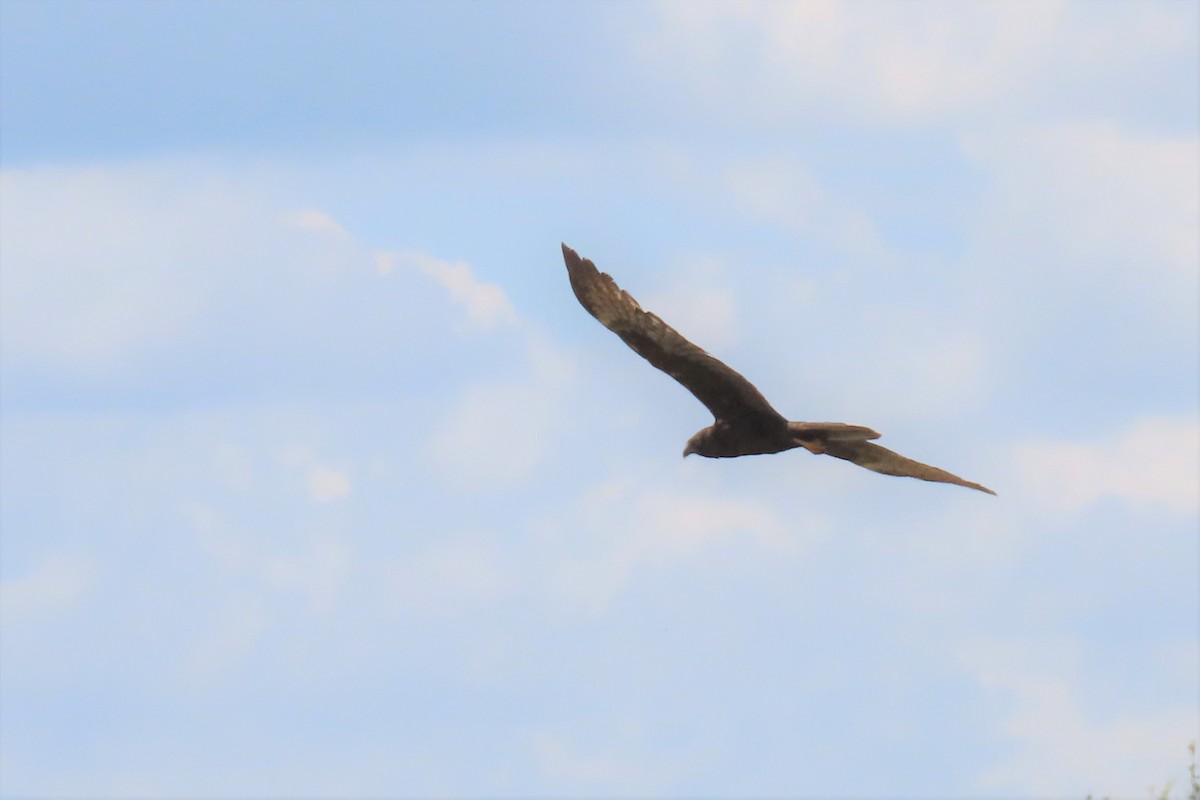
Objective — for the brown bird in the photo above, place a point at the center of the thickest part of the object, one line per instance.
(745, 423)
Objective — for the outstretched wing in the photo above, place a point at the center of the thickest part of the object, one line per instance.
(727, 394)
(880, 459)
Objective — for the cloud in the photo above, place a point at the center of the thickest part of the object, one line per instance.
(870, 58)
(1059, 747)
(58, 582)
(878, 61)
(905, 369)
(318, 573)
(314, 220)
(683, 523)
(593, 772)
(324, 483)
(495, 435)
(498, 434)
(107, 267)
(1155, 461)
(91, 260)
(317, 569)
(485, 303)
(781, 190)
(385, 261)
(697, 304)
(626, 525)
(1094, 203)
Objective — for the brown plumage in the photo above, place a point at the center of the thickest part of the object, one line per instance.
(745, 423)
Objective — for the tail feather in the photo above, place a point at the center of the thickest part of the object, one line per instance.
(830, 432)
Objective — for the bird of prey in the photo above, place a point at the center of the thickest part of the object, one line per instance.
(745, 423)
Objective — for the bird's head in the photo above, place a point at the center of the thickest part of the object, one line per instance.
(698, 444)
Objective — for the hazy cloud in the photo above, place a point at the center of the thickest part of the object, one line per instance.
(880, 62)
(104, 266)
(628, 525)
(598, 772)
(316, 566)
(699, 303)
(1091, 202)
(324, 483)
(57, 583)
(1061, 745)
(497, 434)
(1154, 461)
(91, 263)
(485, 303)
(783, 191)
(313, 220)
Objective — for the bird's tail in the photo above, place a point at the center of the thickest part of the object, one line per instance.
(815, 432)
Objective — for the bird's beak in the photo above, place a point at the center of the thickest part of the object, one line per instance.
(687, 451)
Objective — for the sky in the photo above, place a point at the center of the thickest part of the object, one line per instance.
(317, 481)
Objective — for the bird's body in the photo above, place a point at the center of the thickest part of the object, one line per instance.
(744, 422)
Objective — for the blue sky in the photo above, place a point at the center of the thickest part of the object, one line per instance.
(317, 481)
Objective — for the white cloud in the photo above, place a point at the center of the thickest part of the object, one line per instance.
(882, 61)
(1155, 461)
(781, 190)
(576, 770)
(1062, 749)
(1094, 203)
(905, 370)
(698, 304)
(485, 303)
(318, 570)
(778, 189)
(107, 265)
(683, 523)
(385, 262)
(91, 264)
(314, 220)
(495, 435)
(318, 573)
(58, 582)
(498, 434)
(873, 58)
(324, 483)
(627, 525)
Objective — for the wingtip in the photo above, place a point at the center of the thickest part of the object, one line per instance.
(979, 487)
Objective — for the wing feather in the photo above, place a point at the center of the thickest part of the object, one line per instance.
(728, 395)
(880, 459)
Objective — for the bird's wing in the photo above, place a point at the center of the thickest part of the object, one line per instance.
(727, 394)
(880, 459)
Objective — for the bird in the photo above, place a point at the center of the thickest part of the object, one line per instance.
(744, 423)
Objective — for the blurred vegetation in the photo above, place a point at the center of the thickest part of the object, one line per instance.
(1194, 779)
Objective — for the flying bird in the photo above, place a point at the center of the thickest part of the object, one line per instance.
(744, 422)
